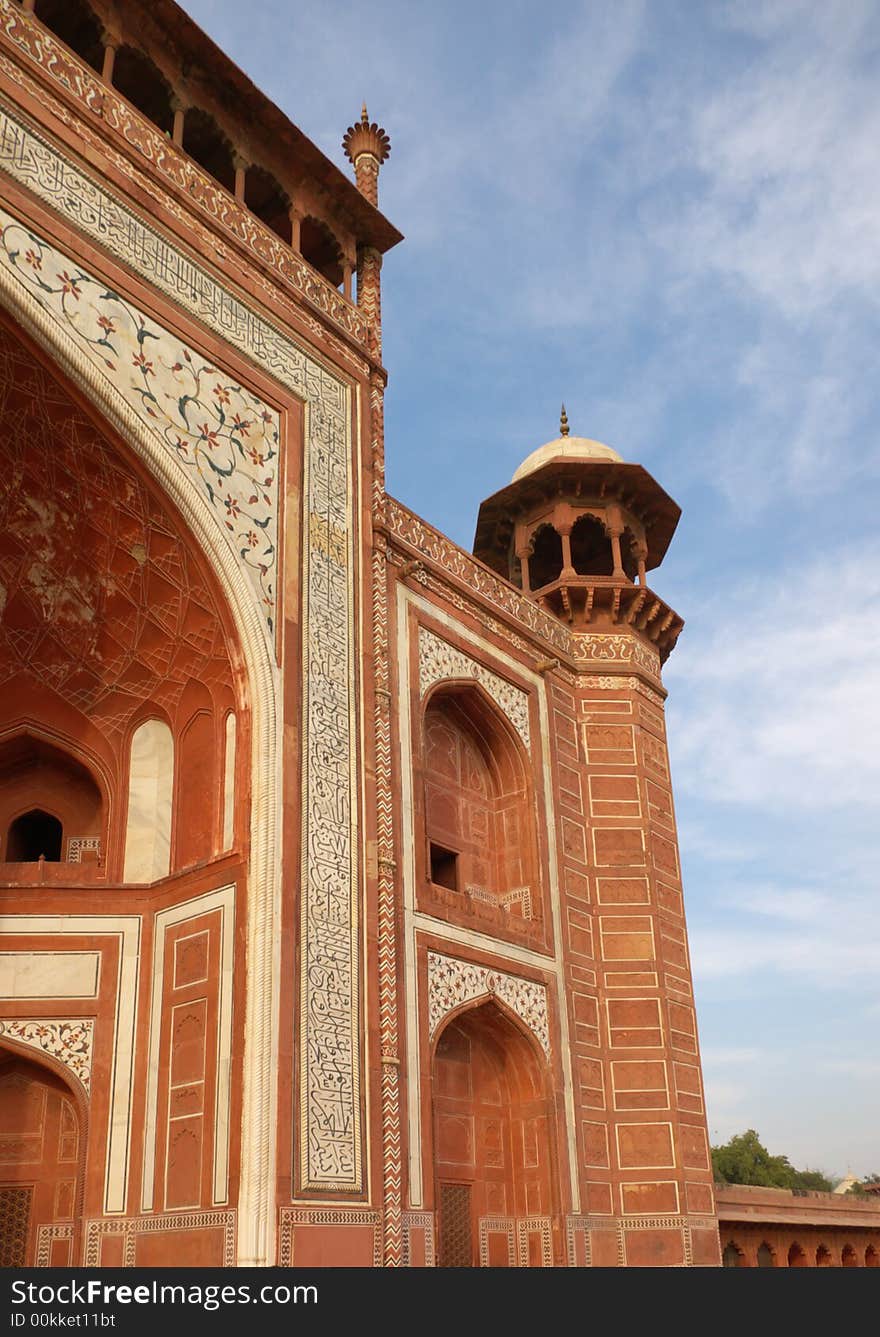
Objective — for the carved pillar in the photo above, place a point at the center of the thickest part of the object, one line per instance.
(240, 174)
(296, 229)
(369, 294)
(618, 571)
(564, 532)
(641, 553)
(389, 1040)
(347, 269)
(110, 49)
(524, 554)
(179, 117)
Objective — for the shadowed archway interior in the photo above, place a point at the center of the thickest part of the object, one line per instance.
(492, 1143)
(40, 1171)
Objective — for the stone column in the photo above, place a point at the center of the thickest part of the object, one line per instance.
(369, 294)
(295, 229)
(110, 49)
(564, 532)
(179, 117)
(240, 173)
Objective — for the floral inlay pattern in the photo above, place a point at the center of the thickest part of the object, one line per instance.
(224, 438)
(439, 660)
(452, 982)
(68, 1041)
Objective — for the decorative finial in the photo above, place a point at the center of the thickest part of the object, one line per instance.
(366, 146)
(563, 422)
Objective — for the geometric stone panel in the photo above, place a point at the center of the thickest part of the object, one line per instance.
(15, 1216)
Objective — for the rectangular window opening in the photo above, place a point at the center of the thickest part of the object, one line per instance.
(444, 867)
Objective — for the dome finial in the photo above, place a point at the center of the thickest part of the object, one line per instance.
(563, 422)
(365, 120)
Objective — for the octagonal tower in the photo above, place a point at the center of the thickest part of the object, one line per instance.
(577, 529)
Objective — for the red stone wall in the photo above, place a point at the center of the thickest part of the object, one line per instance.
(642, 1130)
(766, 1227)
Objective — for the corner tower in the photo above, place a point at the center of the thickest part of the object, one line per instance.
(577, 529)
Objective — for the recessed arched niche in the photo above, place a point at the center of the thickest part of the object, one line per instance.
(479, 827)
(51, 806)
(116, 651)
(493, 1140)
(42, 1127)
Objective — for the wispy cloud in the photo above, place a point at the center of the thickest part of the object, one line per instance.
(776, 693)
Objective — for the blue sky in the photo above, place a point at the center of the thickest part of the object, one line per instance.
(668, 215)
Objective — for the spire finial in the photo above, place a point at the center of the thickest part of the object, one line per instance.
(563, 422)
(366, 146)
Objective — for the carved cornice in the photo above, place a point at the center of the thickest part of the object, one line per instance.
(56, 63)
(453, 567)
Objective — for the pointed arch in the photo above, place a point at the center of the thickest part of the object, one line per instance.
(493, 1139)
(64, 1113)
(258, 1148)
(38, 776)
(480, 839)
(591, 547)
(545, 558)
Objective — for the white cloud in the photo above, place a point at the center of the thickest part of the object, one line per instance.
(788, 148)
(774, 703)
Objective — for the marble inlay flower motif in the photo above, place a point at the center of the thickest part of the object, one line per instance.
(439, 660)
(452, 982)
(70, 1042)
(223, 437)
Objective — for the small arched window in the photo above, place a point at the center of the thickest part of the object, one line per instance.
(545, 562)
(321, 250)
(34, 835)
(50, 804)
(265, 198)
(591, 553)
(731, 1256)
(205, 142)
(796, 1256)
(629, 560)
(765, 1256)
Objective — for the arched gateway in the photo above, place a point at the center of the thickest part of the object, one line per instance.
(494, 1143)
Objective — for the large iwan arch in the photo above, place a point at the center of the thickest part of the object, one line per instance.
(67, 361)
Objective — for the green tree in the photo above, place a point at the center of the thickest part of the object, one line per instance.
(745, 1160)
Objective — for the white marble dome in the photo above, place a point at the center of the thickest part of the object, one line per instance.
(566, 448)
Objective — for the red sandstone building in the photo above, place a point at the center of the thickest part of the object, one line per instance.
(341, 911)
